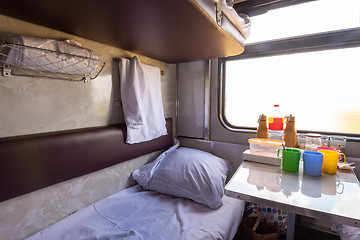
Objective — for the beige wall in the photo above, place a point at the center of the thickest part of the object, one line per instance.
(31, 105)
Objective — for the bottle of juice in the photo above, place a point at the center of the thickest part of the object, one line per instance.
(262, 131)
(276, 124)
(276, 121)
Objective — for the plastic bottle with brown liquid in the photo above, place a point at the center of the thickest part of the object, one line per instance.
(262, 131)
(290, 132)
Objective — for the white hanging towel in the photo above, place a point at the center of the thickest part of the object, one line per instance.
(142, 101)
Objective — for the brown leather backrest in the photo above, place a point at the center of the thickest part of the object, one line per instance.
(32, 162)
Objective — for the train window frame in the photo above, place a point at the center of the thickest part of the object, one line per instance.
(338, 39)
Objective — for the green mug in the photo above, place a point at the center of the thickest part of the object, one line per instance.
(290, 159)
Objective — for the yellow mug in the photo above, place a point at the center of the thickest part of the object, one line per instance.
(331, 158)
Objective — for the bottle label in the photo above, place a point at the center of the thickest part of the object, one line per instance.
(276, 123)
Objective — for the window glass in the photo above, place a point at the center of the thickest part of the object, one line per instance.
(305, 18)
(321, 89)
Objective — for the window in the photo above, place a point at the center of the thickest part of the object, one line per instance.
(307, 18)
(314, 77)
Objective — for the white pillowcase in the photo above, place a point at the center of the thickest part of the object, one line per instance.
(188, 173)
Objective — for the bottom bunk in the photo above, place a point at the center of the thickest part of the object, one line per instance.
(136, 213)
(47, 177)
(180, 196)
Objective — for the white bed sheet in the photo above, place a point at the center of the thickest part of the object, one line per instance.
(346, 232)
(136, 213)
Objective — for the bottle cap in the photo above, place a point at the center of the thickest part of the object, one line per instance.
(290, 118)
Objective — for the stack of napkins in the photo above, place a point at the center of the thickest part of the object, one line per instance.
(346, 166)
(261, 159)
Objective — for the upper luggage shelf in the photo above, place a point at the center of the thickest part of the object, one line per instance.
(169, 31)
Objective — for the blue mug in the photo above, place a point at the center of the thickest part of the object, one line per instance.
(313, 163)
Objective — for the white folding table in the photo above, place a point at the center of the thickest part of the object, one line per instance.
(334, 198)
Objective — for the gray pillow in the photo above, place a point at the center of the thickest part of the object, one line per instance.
(187, 173)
